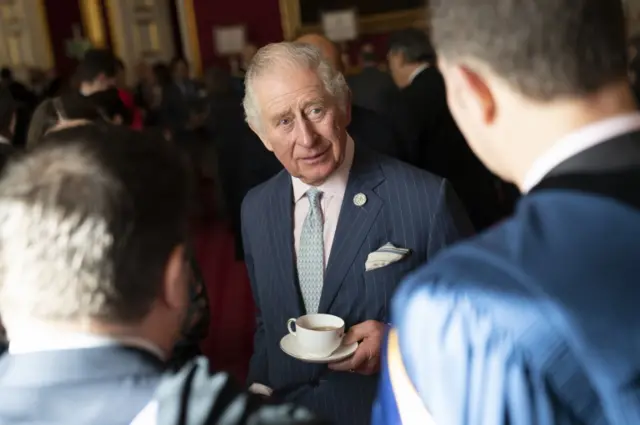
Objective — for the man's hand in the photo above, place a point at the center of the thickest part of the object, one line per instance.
(366, 359)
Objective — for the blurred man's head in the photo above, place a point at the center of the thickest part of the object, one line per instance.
(179, 69)
(298, 104)
(329, 50)
(93, 223)
(517, 71)
(6, 75)
(97, 71)
(7, 114)
(408, 50)
(248, 52)
(368, 58)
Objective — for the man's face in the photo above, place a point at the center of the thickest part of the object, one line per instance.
(181, 71)
(301, 123)
(396, 62)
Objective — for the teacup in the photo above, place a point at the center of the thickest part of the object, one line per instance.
(318, 334)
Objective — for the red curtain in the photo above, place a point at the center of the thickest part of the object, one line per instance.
(62, 15)
(262, 19)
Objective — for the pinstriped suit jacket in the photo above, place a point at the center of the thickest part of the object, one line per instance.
(405, 206)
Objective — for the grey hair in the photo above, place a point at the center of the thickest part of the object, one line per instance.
(299, 55)
(51, 258)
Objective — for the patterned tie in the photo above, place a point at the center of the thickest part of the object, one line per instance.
(311, 254)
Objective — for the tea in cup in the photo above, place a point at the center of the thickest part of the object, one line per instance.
(318, 334)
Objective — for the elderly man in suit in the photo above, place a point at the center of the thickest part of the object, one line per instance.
(309, 230)
(535, 321)
(94, 282)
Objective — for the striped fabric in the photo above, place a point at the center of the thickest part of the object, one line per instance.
(405, 206)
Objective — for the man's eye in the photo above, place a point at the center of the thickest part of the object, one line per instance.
(316, 111)
(284, 121)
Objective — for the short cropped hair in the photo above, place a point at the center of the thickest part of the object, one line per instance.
(88, 220)
(544, 49)
(413, 44)
(96, 62)
(301, 55)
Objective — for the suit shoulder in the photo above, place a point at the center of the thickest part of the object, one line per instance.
(258, 194)
(399, 172)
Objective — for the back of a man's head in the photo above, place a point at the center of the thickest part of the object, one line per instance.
(330, 51)
(97, 62)
(413, 44)
(88, 221)
(544, 49)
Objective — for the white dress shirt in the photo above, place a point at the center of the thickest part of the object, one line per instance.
(331, 201)
(4, 140)
(578, 141)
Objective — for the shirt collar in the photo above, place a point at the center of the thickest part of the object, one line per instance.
(578, 141)
(417, 72)
(336, 184)
(50, 339)
(4, 140)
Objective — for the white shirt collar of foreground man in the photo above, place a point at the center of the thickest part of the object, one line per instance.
(578, 141)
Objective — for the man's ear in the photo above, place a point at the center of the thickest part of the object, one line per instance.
(472, 91)
(265, 142)
(176, 279)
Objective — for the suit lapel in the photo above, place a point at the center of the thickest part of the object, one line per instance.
(353, 224)
(281, 223)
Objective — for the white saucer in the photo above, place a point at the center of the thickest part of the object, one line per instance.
(289, 345)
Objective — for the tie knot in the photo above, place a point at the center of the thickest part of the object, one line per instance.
(314, 195)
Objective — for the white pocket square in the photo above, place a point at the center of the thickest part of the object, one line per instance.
(384, 256)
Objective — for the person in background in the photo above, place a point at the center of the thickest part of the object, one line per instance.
(371, 88)
(134, 116)
(309, 230)
(182, 104)
(536, 320)
(25, 101)
(94, 285)
(243, 160)
(420, 113)
(8, 118)
(366, 126)
(69, 109)
(110, 105)
(96, 72)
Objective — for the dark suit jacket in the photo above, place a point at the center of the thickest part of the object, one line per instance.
(372, 89)
(405, 206)
(434, 143)
(375, 131)
(535, 321)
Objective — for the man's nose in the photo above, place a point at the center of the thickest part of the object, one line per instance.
(307, 135)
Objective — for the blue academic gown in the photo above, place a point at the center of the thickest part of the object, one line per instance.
(535, 322)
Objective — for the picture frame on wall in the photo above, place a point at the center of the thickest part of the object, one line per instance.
(229, 40)
(373, 16)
